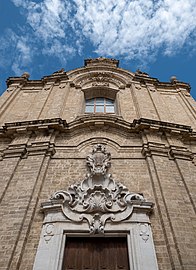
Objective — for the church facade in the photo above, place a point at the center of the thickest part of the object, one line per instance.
(98, 169)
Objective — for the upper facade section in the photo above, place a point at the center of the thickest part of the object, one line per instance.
(99, 90)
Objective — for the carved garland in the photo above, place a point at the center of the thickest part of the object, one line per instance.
(98, 197)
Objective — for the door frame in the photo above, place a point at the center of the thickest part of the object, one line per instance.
(57, 227)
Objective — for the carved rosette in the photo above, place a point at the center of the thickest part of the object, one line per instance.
(98, 197)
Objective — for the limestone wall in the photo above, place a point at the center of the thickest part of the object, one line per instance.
(44, 150)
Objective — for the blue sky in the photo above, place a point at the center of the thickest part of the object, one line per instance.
(42, 36)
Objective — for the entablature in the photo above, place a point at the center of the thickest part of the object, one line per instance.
(154, 134)
(138, 125)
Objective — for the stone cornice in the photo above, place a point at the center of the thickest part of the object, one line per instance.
(101, 61)
(149, 149)
(55, 77)
(180, 153)
(99, 121)
(172, 152)
(45, 127)
(104, 120)
(16, 80)
(143, 78)
(14, 151)
(24, 150)
(144, 123)
(42, 124)
(175, 85)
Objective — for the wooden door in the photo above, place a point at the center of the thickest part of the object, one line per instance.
(98, 253)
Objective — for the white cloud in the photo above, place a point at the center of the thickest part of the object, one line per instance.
(134, 29)
(23, 56)
(16, 52)
(47, 18)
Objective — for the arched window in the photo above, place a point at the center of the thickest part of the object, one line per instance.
(100, 105)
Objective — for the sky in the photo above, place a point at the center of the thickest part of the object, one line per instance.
(43, 36)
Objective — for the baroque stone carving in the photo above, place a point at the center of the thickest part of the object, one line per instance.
(99, 160)
(48, 232)
(100, 79)
(144, 232)
(98, 197)
(103, 60)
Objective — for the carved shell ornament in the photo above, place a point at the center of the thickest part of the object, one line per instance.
(98, 197)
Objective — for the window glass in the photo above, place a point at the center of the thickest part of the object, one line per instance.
(109, 101)
(100, 105)
(90, 101)
(99, 101)
(90, 109)
(99, 109)
(109, 109)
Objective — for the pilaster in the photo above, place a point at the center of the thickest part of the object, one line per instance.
(163, 153)
(31, 151)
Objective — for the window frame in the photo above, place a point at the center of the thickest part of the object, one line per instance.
(103, 105)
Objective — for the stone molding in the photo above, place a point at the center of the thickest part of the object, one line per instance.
(93, 122)
(102, 61)
(149, 149)
(144, 79)
(180, 153)
(24, 80)
(25, 150)
(16, 81)
(144, 123)
(137, 125)
(33, 125)
(102, 78)
(172, 152)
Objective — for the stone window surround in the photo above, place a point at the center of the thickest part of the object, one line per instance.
(100, 91)
(103, 92)
(96, 215)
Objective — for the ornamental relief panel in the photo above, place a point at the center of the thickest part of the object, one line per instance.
(100, 79)
(98, 199)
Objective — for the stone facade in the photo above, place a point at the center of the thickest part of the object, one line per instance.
(45, 136)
